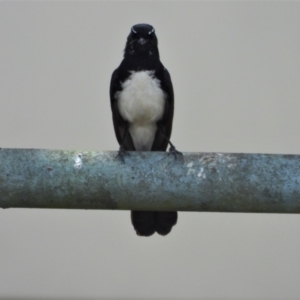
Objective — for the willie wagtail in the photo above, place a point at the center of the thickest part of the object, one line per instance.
(142, 103)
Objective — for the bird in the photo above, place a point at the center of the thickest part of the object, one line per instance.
(142, 104)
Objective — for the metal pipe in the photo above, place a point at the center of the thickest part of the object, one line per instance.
(150, 181)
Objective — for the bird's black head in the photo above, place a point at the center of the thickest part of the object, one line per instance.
(141, 41)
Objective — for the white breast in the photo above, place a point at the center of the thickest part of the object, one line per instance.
(141, 103)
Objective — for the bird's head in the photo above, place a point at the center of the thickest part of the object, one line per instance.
(141, 41)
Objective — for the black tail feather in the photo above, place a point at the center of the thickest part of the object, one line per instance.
(164, 221)
(146, 223)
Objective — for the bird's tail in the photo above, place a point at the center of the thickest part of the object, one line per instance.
(146, 223)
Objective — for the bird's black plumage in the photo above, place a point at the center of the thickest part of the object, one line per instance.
(142, 103)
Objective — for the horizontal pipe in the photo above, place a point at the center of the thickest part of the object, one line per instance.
(150, 181)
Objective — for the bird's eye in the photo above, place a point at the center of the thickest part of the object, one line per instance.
(151, 32)
(133, 32)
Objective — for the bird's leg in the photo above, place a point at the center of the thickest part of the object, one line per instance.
(172, 149)
(122, 151)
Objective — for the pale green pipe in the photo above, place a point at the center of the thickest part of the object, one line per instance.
(150, 181)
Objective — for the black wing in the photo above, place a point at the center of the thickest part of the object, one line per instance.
(120, 125)
(165, 124)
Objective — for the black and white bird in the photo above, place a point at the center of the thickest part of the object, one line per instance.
(142, 103)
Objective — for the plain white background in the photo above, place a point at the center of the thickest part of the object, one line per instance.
(235, 67)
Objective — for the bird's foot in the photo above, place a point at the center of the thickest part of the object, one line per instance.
(177, 154)
(122, 153)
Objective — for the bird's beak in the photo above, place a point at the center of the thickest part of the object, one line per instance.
(142, 41)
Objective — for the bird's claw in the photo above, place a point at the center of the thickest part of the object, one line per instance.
(177, 154)
(122, 153)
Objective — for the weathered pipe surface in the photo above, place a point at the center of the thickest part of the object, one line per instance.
(150, 181)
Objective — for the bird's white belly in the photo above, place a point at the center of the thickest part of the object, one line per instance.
(142, 104)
